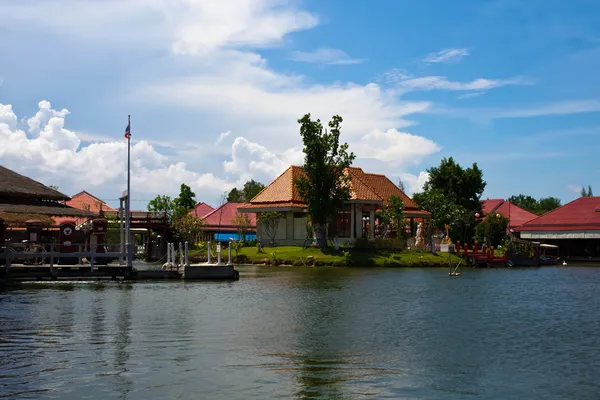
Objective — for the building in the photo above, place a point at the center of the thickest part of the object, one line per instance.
(356, 220)
(516, 215)
(220, 224)
(573, 227)
(29, 207)
(201, 210)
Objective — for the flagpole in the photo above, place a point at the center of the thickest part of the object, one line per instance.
(128, 204)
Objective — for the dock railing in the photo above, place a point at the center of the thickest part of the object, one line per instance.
(183, 252)
(32, 254)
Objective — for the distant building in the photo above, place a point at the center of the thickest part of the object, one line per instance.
(573, 227)
(516, 215)
(202, 210)
(220, 224)
(356, 220)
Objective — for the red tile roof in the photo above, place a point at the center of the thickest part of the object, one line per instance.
(517, 216)
(201, 210)
(223, 216)
(282, 192)
(579, 215)
(86, 201)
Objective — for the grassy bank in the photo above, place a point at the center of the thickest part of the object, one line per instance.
(297, 256)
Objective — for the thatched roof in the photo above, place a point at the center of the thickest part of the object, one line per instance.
(12, 219)
(50, 208)
(18, 186)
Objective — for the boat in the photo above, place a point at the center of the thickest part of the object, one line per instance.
(523, 253)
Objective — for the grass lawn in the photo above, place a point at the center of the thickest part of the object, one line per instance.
(298, 256)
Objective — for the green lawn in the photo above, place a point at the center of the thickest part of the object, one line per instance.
(298, 256)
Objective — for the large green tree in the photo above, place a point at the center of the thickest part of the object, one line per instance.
(162, 203)
(251, 188)
(538, 207)
(186, 199)
(324, 186)
(492, 230)
(547, 204)
(452, 194)
(588, 192)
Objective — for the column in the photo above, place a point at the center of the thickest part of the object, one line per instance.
(352, 221)
(359, 222)
(372, 225)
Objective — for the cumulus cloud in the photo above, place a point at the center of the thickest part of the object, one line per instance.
(396, 147)
(57, 152)
(414, 183)
(447, 55)
(222, 136)
(325, 56)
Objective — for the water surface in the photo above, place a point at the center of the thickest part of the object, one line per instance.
(308, 333)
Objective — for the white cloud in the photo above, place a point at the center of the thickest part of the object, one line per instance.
(442, 83)
(396, 147)
(447, 55)
(325, 56)
(56, 152)
(470, 95)
(222, 136)
(414, 183)
(575, 188)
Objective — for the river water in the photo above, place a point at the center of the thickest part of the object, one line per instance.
(308, 333)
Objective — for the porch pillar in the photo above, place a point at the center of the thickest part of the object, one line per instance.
(359, 216)
(412, 227)
(372, 225)
(352, 221)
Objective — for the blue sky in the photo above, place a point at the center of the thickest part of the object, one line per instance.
(215, 88)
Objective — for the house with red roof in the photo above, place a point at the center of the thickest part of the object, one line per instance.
(573, 227)
(356, 220)
(221, 224)
(516, 215)
(201, 210)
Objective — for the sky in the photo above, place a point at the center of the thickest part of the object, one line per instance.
(215, 89)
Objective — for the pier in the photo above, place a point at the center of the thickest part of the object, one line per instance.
(35, 263)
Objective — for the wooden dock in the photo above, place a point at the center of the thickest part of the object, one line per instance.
(22, 273)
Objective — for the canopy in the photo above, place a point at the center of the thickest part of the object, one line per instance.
(225, 236)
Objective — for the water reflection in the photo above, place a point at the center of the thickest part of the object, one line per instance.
(122, 341)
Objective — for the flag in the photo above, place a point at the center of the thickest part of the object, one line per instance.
(127, 132)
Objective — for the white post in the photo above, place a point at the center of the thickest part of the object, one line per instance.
(173, 255)
(180, 254)
(230, 260)
(209, 254)
(168, 255)
(128, 204)
(219, 253)
(121, 233)
(187, 260)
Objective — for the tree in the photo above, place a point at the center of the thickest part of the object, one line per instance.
(242, 223)
(401, 185)
(235, 196)
(587, 193)
(325, 186)
(247, 193)
(53, 187)
(269, 221)
(251, 189)
(548, 204)
(492, 230)
(188, 228)
(162, 203)
(186, 199)
(525, 202)
(452, 194)
(391, 217)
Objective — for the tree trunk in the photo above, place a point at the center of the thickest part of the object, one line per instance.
(320, 236)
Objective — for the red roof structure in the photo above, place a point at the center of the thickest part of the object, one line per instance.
(87, 201)
(222, 218)
(516, 215)
(582, 214)
(202, 210)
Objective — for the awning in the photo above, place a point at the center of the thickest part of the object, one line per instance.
(225, 236)
(560, 234)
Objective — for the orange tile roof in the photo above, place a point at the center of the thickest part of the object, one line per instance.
(282, 192)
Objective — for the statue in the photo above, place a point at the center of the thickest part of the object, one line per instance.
(419, 237)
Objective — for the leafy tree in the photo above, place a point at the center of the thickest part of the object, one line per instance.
(269, 221)
(391, 216)
(463, 187)
(452, 194)
(188, 228)
(548, 204)
(525, 202)
(186, 199)
(235, 196)
(324, 187)
(251, 189)
(401, 185)
(587, 193)
(242, 223)
(53, 187)
(162, 203)
(492, 229)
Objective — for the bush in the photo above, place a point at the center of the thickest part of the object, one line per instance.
(381, 244)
